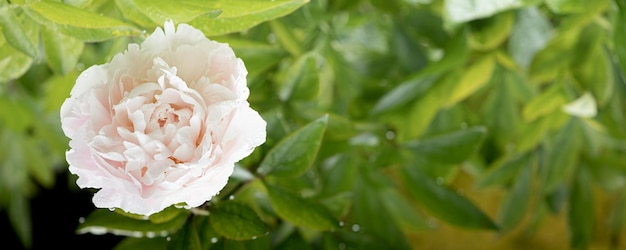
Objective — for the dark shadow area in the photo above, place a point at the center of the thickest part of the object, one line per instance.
(55, 214)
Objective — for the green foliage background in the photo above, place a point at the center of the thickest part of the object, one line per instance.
(385, 118)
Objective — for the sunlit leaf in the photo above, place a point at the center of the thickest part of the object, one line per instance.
(182, 11)
(300, 211)
(488, 34)
(422, 111)
(553, 59)
(79, 23)
(241, 15)
(15, 33)
(619, 36)
(13, 63)
(131, 12)
(61, 51)
(567, 6)
(548, 101)
(295, 153)
(443, 202)
(472, 79)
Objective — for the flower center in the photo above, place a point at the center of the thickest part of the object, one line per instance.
(166, 115)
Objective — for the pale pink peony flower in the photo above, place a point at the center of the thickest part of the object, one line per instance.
(162, 123)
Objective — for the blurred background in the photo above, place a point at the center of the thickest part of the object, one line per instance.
(452, 124)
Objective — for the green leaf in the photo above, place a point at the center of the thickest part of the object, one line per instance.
(84, 25)
(474, 77)
(401, 211)
(451, 148)
(103, 221)
(488, 34)
(257, 56)
(13, 63)
(166, 215)
(181, 11)
(514, 205)
(503, 172)
(547, 102)
(286, 38)
(416, 119)
(62, 52)
(39, 167)
(240, 15)
(532, 134)
(130, 243)
(567, 6)
(20, 218)
(549, 62)
(294, 154)
(456, 50)
(207, 235)
(592, 67)
(301, 81)
(501, 111)
(581, 212)
(131, 12)
(561, 160)
(404, 93)
(443, 202)
(299, 211)
(236, 221)
(370, 212)
(185, 239)
(15, 33)
(619, 37)
(531, 32)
